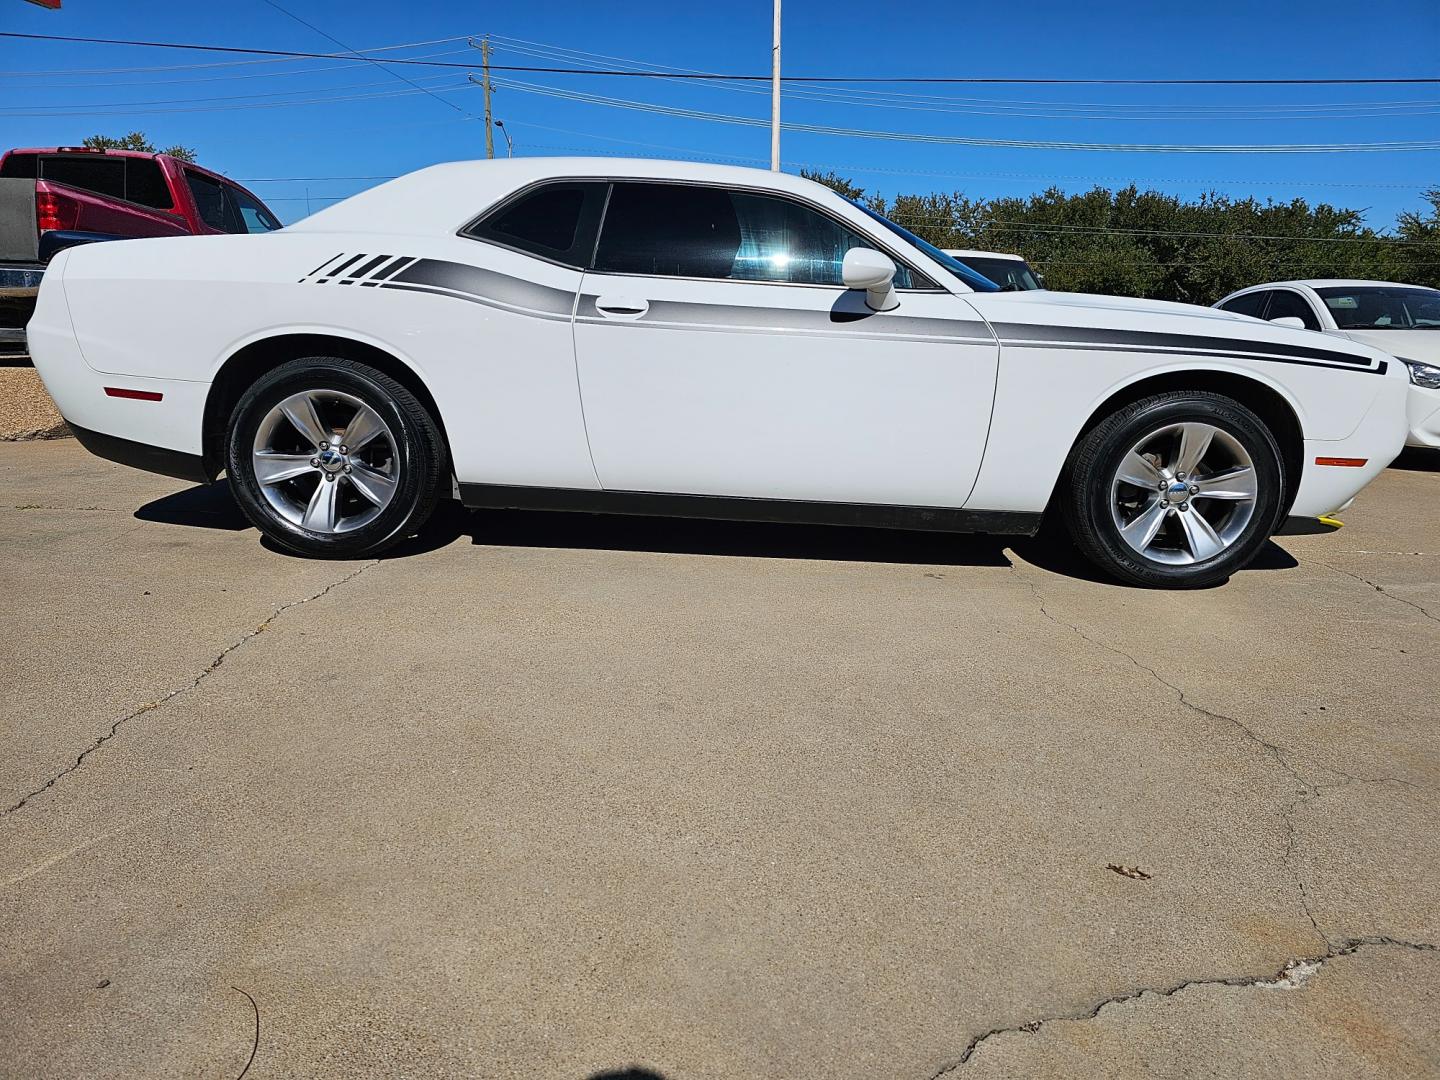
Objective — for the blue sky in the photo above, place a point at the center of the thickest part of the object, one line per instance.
(389, 128)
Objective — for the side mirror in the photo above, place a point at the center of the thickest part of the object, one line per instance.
(873, 271)
(1291, 321)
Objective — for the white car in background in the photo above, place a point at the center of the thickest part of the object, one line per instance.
(1010, 272)
(674, 338)
(1403, 320)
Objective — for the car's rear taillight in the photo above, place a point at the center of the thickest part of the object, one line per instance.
(55, 211)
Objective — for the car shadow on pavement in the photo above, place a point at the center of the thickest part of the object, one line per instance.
(206, 506)
(632, 1073)
(1053, 552)
(1417, 459)
(763, 540)
(213, 507)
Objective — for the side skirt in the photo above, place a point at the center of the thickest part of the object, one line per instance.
(724, 508)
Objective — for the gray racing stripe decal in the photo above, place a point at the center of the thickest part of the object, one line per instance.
(1261, 358)
(323, 265)
(364, 268)
(682, 315)
(438, 277)
(390, 268)
(473, 282)
(1034, 336)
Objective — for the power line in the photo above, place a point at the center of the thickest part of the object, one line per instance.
(227, 63)
(1004, 107)
(43, 110)
(963, 140)
(377, 63)
(717, 77)
(62, 110)
(290, 73)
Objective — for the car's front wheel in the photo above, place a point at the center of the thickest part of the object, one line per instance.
(1178, 490)
(331, 458)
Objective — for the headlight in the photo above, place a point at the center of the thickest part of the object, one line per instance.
(1421, 374)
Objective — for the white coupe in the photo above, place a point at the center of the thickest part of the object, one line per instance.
(682, 339)
(1404, 320)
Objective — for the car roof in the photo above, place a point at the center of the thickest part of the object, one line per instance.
(1329, 283)
(966, 253)
(443, 197)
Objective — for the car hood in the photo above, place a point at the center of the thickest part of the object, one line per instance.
(1421, 345)
(1009, 313)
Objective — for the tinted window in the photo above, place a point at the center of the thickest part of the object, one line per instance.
(685, 230)
(1010, 274)
(1287, 304)
(145, 184)
(209, 200)
(1382, 308)
(1252, 304)
(20, 166)
(556, 221)
(248, 213)
(100, 174)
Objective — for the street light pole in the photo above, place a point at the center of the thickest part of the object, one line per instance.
(775, 95)
(509, 142)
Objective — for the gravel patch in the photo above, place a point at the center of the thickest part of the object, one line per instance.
(26, 411)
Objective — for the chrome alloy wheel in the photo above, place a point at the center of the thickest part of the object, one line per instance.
(1184, 493)
(325, 461)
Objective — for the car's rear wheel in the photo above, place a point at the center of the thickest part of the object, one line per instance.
(331, 458)
(1178, 490)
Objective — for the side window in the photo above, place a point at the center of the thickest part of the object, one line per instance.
(686, 230)
(20, 166)
(99, 173)
(1285, 303)
(1252, 304)
(209, 200)
(555, 221)
(248, 213)
(145, 184)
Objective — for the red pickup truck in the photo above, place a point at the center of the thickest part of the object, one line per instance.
(55, 198)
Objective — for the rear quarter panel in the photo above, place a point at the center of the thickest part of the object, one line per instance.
(503, 379)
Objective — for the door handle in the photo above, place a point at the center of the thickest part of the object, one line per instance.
(621, 307)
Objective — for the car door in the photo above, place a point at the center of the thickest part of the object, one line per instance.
(720, 354)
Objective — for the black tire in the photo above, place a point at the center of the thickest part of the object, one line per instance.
(1087, 489)
(419, 459)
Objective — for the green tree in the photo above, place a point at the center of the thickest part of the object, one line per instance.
(835, 182)
(136, 140)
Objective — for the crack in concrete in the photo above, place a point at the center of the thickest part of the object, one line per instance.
(1355, 778)
(1304, 788)
(1380, 589)
(46, 506)
(1293, 975)
(187, 686)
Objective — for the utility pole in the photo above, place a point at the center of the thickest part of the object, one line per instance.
(775, 95)
(485, 83)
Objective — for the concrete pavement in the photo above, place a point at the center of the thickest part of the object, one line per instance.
(547, 795)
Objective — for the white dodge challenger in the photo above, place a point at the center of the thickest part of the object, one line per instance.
(683, 339)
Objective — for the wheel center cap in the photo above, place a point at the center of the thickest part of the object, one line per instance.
(332, 460)
(1177, 492)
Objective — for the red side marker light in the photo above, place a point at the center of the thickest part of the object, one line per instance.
(1342, 462)
(138, 395)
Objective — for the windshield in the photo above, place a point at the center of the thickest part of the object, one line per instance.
(1012, 275)
(1373, 307)
(955, 266)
